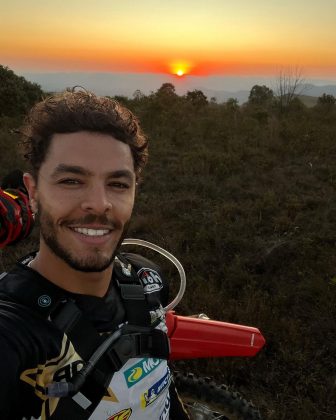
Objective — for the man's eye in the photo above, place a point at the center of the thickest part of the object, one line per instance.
(69, 181)
(119, 185)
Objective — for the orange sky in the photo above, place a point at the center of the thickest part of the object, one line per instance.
(199, 37)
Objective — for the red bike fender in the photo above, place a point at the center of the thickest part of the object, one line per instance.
(192, 338)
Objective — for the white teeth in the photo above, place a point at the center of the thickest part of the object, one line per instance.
(91, 232)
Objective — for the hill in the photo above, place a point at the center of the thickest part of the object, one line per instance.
(220, 87)
(245, 198)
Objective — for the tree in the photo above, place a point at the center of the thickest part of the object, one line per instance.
(138, 95)
(17, 95)
(197, 98)
(325, 99)
(165, 96)
(326, 105)
(289, 84)
(232, 104)
(260, 95)
(167, 89)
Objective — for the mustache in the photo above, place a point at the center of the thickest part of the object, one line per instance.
(91, 219)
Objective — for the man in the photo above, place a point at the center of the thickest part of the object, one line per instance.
(80, 334)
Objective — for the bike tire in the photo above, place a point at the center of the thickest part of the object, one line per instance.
(204, 399)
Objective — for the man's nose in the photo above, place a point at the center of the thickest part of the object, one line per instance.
(96, 200)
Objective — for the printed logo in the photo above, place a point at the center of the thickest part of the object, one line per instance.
(122, 415)
(140, 370)
(68, 371)
(150, 280)
(154, 391)
(135, 375)
(44, 301)
(165, 412)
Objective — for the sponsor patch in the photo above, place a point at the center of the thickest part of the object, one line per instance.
(165, 412)
(122, 415)
(154, 391)
(150, 280)
(140, 370)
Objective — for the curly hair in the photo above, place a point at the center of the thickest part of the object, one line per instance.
(73, 111)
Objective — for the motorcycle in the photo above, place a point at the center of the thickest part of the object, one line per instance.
(190, 337)
(197, 336)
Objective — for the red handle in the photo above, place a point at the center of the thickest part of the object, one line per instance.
(192, 338)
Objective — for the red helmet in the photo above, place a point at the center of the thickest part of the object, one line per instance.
(16, 217)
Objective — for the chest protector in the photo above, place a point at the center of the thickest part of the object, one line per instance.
(103, 354)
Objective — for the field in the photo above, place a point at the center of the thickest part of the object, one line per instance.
(245, 198)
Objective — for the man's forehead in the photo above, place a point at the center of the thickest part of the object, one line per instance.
(85, 145)
(79, 139)
(88, 151)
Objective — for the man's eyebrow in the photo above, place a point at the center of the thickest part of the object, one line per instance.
(78, 170)
(121, 173)
(73, 169)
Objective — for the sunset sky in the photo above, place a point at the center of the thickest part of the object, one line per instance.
(197, 37)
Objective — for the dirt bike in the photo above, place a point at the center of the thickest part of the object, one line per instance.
(197, 336)
(190, 337)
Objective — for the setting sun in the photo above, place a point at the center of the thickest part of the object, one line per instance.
(180, 67)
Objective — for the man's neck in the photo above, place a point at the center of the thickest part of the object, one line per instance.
(60, 273)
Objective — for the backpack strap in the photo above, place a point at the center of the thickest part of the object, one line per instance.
(69, 319)
(132, 293)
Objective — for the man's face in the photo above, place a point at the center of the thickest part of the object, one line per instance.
(85, 196)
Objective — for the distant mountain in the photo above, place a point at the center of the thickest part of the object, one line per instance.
(220, 87)
(313, 90)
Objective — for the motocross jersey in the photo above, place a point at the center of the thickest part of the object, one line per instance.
(34, 352)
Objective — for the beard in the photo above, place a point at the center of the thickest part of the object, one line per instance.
(97, 262)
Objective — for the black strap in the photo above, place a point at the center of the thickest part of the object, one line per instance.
(132, 293)
(142, 342)
(69, 319)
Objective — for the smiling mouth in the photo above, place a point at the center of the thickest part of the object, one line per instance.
(91, 232)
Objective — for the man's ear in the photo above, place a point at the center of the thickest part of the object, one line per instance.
(31, 187)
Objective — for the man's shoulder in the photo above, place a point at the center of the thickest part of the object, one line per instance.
(10, 282)
(21, 302)
(16, 283)
(23, 329)
(19, 271)
(20, 330)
